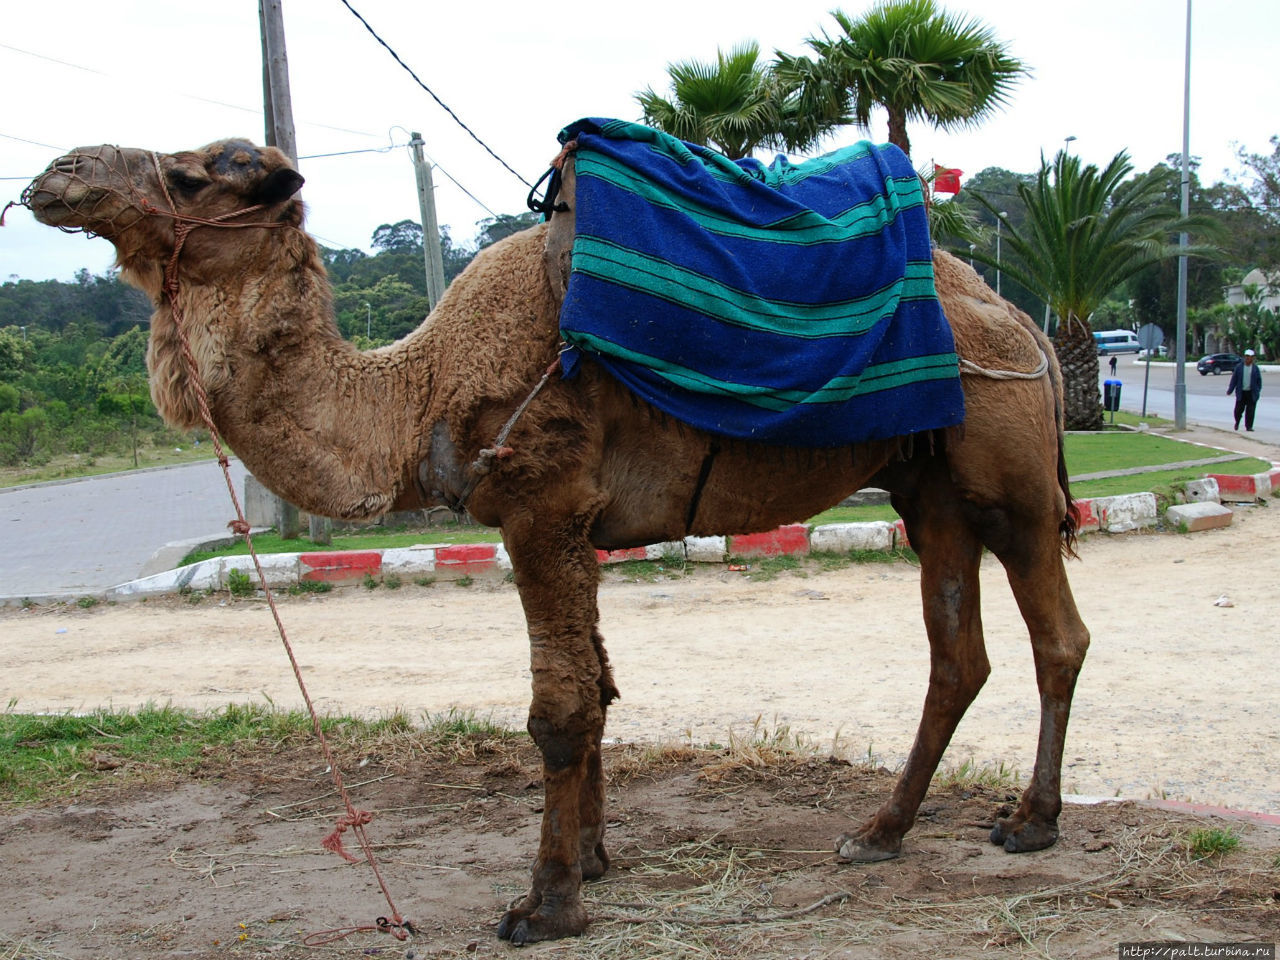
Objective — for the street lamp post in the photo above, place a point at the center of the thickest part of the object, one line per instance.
(1066, 141)
(368, 322)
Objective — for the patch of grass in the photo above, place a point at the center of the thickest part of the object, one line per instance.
(762, 569)
(424, 581)
(1120, 450)
(1211, 842)
(42, 756)
(392, 581)
(85, 603)
(863, 514)
(309, 586)
(453, 723)
(464, 581)
(760, 748)
(240, 584)
(369, 583)
(649, 571)
(971, 774)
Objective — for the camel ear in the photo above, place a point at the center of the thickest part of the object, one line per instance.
(279, 186)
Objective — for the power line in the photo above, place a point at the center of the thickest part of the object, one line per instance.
(347, 153)
(257, 111)
(478, 201)
(444, 105)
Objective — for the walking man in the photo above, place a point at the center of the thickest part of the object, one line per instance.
(1246, 384)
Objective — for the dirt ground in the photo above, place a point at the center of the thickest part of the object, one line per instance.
(1178, 699)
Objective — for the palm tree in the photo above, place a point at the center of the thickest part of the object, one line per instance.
(910, 57)
(1085, 233)
(733, 104)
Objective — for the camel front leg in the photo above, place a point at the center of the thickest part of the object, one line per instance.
(949, 559)
(556, 573)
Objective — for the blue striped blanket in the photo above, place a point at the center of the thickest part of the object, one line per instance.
(788, 303)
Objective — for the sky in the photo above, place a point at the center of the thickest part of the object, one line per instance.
(169, 76)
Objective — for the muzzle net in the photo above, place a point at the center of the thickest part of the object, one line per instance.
(104, 185)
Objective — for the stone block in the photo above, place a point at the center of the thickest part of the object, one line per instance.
(706, 549)
(259, 503)
(1239, 489)
(792, 540)
(338, 566)
(844, 537)
(1194, 517)
(1204, 490)
(1128, 511)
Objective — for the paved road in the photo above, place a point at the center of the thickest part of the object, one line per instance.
(1207, 400)
(86, 535)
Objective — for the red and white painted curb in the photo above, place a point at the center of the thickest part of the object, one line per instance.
(1119, 514)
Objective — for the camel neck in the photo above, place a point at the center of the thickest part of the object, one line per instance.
(325, 425)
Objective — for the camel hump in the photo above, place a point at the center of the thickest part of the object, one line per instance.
(560, 230)
(989, 330)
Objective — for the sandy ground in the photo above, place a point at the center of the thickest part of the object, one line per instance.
(1178, 697)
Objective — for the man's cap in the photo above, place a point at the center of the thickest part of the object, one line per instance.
(1248, 353)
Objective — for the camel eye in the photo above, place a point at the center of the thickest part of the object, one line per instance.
(187, 183)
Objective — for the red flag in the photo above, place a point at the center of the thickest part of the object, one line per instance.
(946, 179)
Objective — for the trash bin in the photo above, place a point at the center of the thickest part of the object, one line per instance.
(1111, 395)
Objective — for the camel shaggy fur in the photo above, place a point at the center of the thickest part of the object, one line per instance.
(350, 434)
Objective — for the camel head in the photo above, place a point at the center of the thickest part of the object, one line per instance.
(135, 198)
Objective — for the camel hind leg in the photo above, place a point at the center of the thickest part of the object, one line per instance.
(950, 553)
(1059, 640)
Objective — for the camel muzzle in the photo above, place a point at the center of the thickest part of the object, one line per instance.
(90, 190)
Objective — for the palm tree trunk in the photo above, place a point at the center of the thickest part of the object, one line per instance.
(1078, 357)
(898, 130)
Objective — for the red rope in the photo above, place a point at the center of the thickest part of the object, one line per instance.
(355, 819)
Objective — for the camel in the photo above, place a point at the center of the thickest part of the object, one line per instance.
(353, 434)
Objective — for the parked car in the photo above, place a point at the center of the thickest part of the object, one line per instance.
(1217, 363)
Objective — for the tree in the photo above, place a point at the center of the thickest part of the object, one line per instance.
(1086, 232)
(911, 58)
(1258, 220)
(733, 104)
(402, 237)
(493, 229)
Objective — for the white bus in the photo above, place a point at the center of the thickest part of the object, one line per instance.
(1115, 341)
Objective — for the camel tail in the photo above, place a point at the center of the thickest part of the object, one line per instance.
(1069, 528)
(1069, 525)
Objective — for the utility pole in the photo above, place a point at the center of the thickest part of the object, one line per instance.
(430, 229)
(278, 108)
(275, 80)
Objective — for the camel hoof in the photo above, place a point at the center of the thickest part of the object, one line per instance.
(595, 864)
(1023, 836)
(855, 849)
(520, 926)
